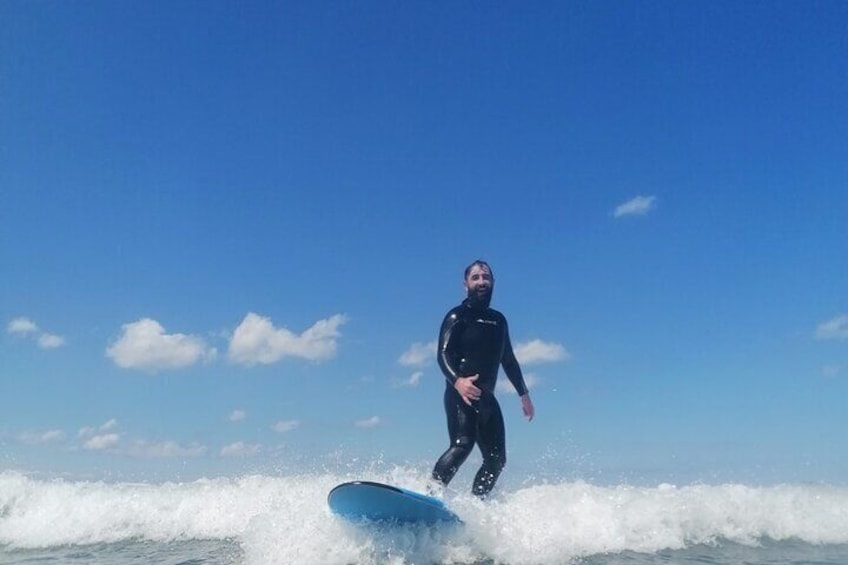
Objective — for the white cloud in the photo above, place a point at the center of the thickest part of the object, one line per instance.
(50, 341)
(256, 340)
(89, 431)
(25, 327)
(418, 354)
(104, 437)
(285, 426)
(240, 449)
(237, 415)
(412, 381)
(164, 449)
(538, 351)
(371, 422)
(21, 326)
(39, 438)
(837, 328)
(505, 387)
(102, 442)
(52, 435)
(145, 345)
(110, 425)
(638, 206)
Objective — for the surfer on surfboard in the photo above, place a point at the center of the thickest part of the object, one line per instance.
(473, 343)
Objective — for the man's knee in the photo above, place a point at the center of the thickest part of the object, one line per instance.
(463, 444)
(495, 460)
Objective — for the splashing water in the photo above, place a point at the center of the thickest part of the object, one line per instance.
(284, 519)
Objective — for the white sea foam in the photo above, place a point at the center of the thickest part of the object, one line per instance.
(285, 519)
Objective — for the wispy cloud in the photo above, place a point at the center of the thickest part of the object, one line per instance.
(143, 449)
(40, 438)
(412, 381)
(24, 327)
(638, 206)
(831, 371)
(89, 431)
(102, 442)
(100, 438)
(257, 341)
(237, 416)
(284, 426)
(371, 422)
(109, 425)
(145, 345)
(240, 449)
(419, 354)
(106, 437)
(836, 328)
(50, 341)
(21, 326)
(537, 351)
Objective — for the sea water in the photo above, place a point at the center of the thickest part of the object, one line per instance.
(261, 519)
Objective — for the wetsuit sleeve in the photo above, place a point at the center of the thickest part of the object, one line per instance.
(511, 366)
(447, 361)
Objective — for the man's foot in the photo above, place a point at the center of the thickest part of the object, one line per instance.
(434, 488)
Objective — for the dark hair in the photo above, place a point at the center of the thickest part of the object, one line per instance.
(481, 263)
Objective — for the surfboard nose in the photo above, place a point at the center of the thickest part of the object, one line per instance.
(366, 500)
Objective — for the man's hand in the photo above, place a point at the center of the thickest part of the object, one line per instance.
(467, 390)
(527, 407)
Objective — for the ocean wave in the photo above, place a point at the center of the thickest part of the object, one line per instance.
(285, 519)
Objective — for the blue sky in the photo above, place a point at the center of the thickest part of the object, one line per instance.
(229, 232)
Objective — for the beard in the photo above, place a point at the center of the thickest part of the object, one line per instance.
(480, 298)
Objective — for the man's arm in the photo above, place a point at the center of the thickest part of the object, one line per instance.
(511, 366)
(513, 373)
(444, 354)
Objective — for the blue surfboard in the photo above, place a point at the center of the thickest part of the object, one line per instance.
(365, 500)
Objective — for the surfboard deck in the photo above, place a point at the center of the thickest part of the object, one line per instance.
(378, 502)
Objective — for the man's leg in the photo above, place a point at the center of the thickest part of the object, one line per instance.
(491, 437)
(462, 423)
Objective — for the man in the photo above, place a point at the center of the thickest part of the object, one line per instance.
(473, 344)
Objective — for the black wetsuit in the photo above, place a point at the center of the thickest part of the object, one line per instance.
(474, 340)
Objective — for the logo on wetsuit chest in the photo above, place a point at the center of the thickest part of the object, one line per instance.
(491, 322)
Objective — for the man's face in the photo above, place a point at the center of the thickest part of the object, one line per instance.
(479, 282)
